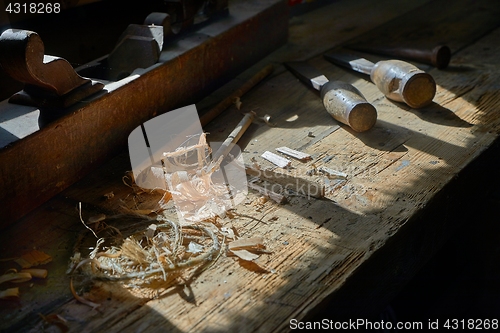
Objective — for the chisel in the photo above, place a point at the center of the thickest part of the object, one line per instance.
(438, 56)
(343, 101)
(397, 80)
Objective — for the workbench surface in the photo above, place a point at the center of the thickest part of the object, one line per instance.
(319, 248)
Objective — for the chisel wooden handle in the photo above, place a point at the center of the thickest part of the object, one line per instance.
(346, 104)
(438, 56)
(404, 82)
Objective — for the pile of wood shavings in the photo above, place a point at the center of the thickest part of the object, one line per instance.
(166, 251)
(189, 175)
(160, 251)
(26, 261)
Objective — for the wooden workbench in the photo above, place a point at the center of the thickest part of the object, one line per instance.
(342, 256)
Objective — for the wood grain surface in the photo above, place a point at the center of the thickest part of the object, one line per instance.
(317, 245)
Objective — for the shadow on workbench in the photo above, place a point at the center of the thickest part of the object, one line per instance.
(462, 279)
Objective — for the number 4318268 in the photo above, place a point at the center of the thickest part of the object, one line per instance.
(471, 324)
(33, 8)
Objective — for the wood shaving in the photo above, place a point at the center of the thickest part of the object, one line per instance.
(195, 195)
(81, 219)
(246, 243)
(228, 232)
(96, 218)
(278, 198)
(11, 293)
(332, 174)
(194, 248)
(247, 248)
(260, 201)
(276, 159)
(36, 272)
(55, 319)
(15, 277)
(245, 255)
(237, 103)
(33, 258)
(80, 298)
(150, 231)
(294, 153)
(153, 253)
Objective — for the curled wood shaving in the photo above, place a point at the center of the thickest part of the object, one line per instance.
(108, 255)
(190, 183)
(94, 263)
(81, 219)
(36, 272)
(15, 277)
(80, 298)
(10, 293)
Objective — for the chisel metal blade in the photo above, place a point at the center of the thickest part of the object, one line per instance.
(307, 73)
(351, 61)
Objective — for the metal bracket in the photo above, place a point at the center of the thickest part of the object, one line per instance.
(50, 81)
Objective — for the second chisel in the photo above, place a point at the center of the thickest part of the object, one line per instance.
(343, 101)
(397, 80)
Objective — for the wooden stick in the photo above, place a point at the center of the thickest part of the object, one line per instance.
(234, 136)
(301, 185)
(225, 103)
(276, 159)
(232, 139)
(294, 153)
